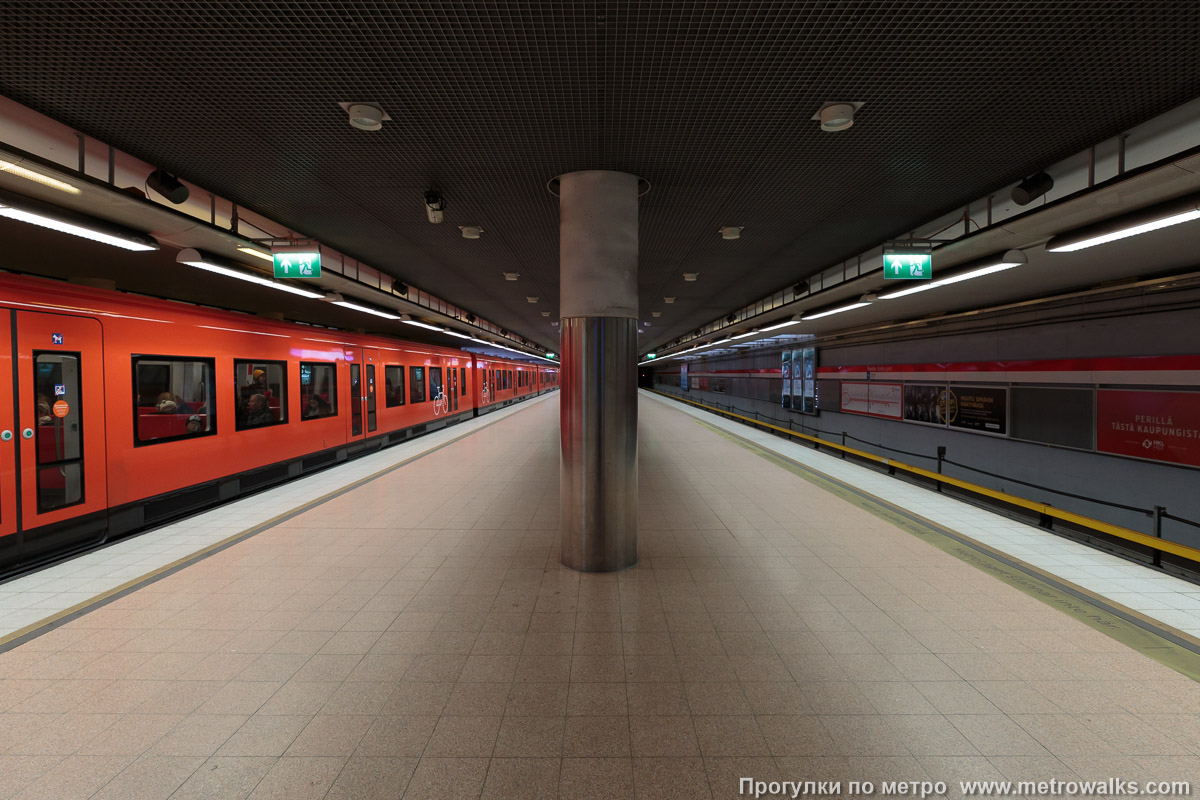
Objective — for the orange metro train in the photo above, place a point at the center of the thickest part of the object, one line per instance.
(125, 412)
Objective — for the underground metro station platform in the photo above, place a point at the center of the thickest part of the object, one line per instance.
(599, 400)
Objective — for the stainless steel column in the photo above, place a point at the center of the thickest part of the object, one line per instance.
(598, 241)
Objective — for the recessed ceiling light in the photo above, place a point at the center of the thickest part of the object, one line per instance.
(511, 276)
(656, 313)
(470, 231)
(545, 313)
(365, 116)
(531, 299)
(836, 115)
(731, 232)
(690, 276)
(668, 300)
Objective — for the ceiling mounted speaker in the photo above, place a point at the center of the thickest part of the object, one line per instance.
(1032, 188)
(800, 288)
(400, 287)
(168, 186)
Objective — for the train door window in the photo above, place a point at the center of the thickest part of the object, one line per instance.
(371, 398)
(59, 430)
(356, 399)
(462, 381)
(435, 383)
(261, 393)
(393, 378)
(416, 384)
(174, 398)
(318, 390)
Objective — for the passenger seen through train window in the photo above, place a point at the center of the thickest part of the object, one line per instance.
(261, 394)
(173, 397)
(318, 390)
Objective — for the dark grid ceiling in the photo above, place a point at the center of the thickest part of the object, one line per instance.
(711, 102)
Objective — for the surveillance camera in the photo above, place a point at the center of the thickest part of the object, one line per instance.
(435, 207)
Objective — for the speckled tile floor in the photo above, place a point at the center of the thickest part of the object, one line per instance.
(417, 638)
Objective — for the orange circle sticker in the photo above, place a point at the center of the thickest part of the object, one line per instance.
(61, 409)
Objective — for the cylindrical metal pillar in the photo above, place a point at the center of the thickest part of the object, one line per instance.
(598, 240)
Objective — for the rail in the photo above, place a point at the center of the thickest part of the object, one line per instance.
(1155, 543)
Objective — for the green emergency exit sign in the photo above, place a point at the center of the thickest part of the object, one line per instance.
(297, 264)
(908, 265)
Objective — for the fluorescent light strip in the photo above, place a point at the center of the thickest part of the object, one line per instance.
(744, 335)
(75, 230)
(965, 276)
(250, 251)
(1165, 222)
(850, 307)
(37, 177)
(777, 326)
(364, 309)
(252, 278)
(420, 324)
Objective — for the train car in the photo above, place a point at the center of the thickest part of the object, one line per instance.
(124, 412)
(502, 382)
(547, 379)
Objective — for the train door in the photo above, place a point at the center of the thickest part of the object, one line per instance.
(354, 358)
(370, 395)
(452, 388)
(59, 428)
(9, 436)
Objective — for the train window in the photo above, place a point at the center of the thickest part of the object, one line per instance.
(318, 390)
(462, 381)
(393, 378)
(261, 393)
(174, 399)
(416, 384)
(435, 383)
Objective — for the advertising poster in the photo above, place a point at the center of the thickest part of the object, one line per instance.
(1161, 426)
(873, 399)
(977, 408)
(683, 376)
(921, 403)
(787, 379)
(804, 380)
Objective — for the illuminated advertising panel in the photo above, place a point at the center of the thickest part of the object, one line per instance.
(873, 399)
(787, 378)
(804, 380)
(683, 376)
(1160, 426)
(978, 408)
